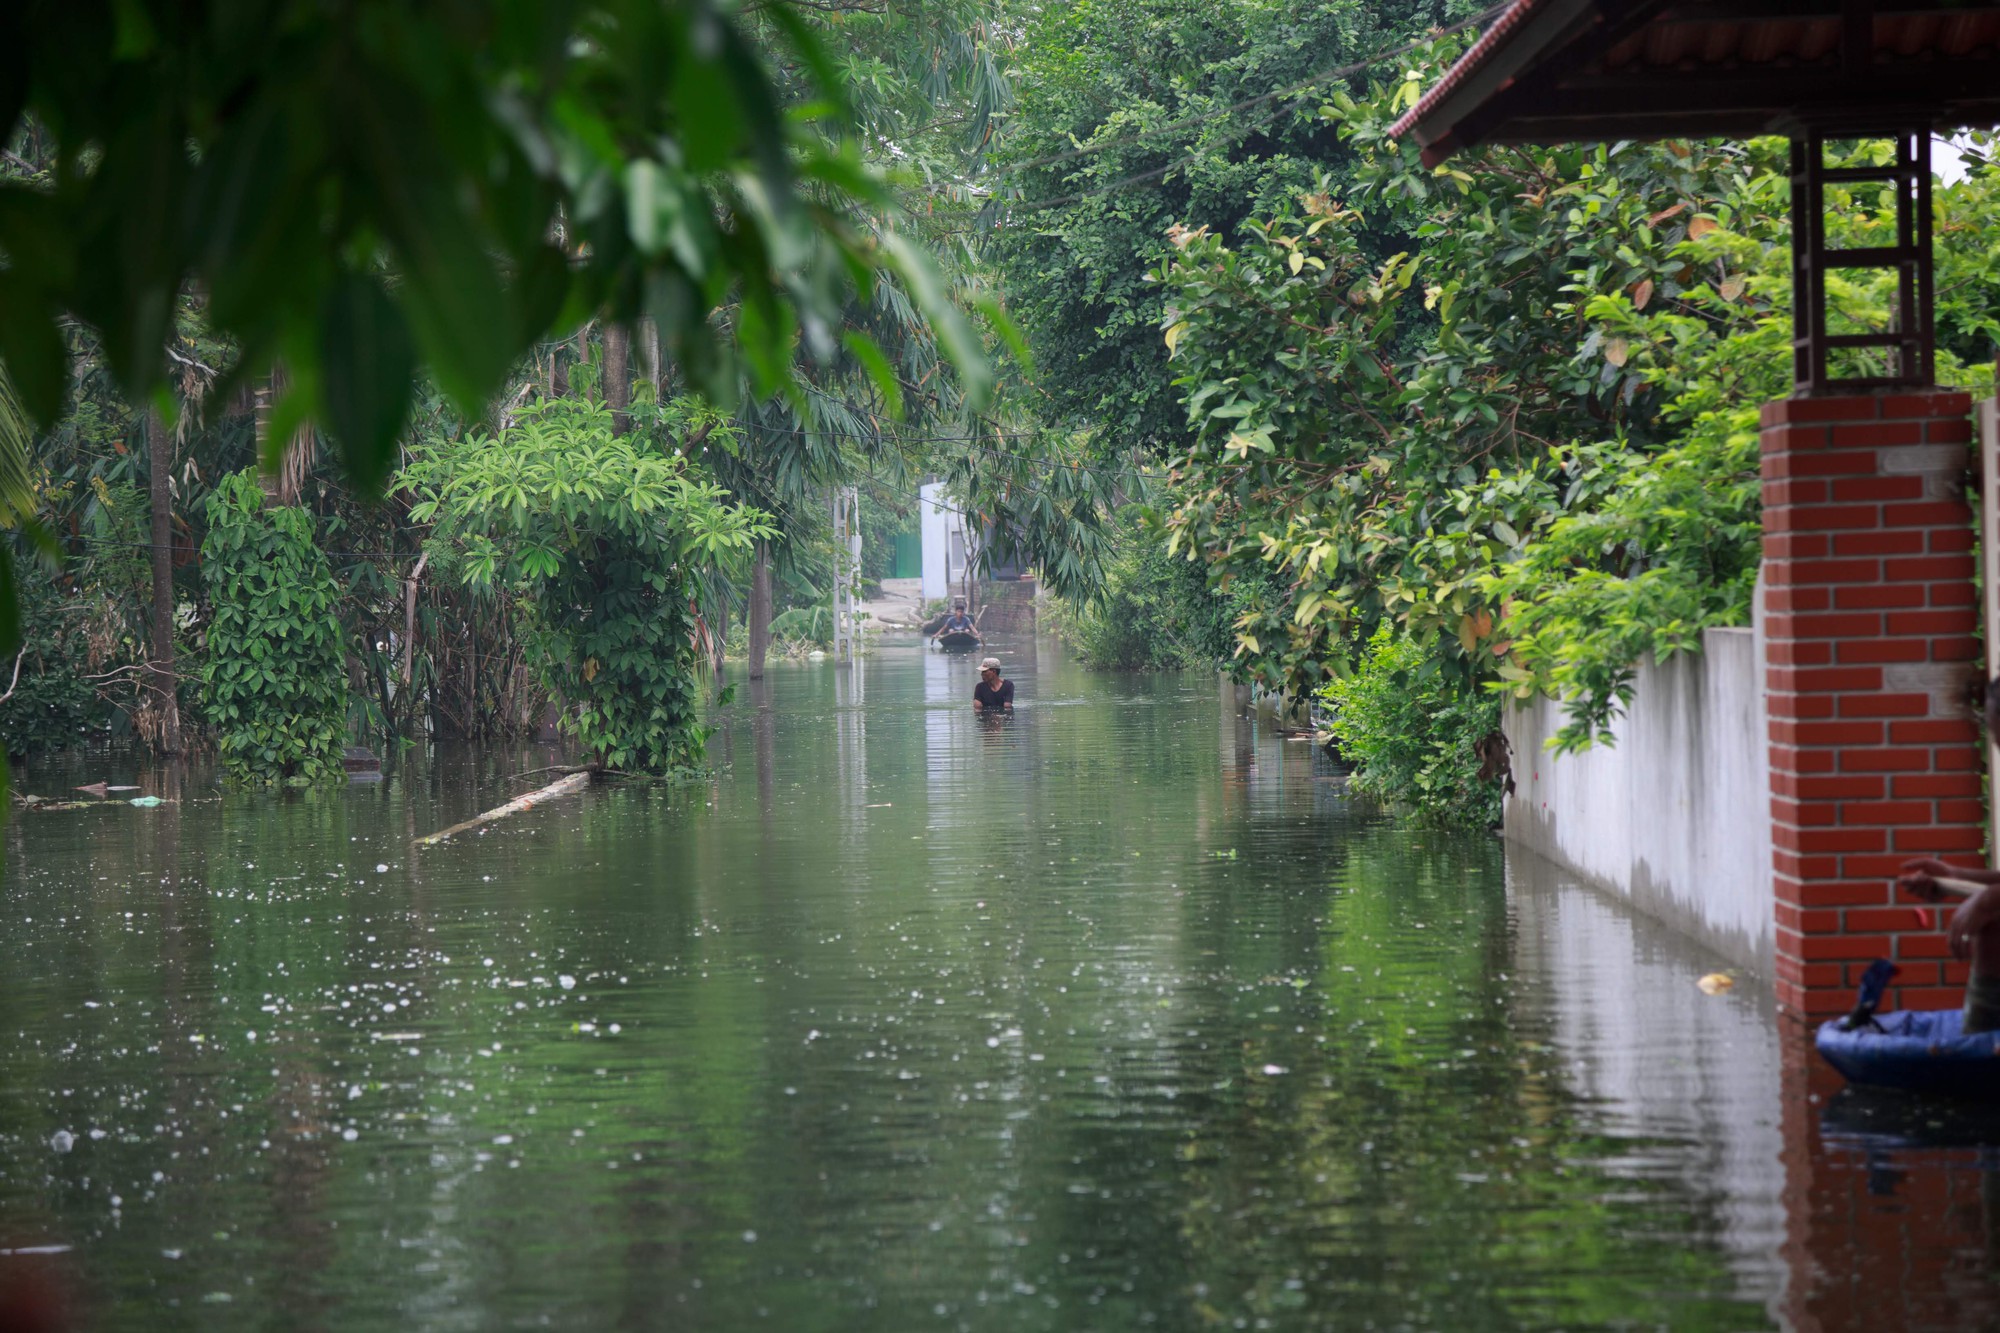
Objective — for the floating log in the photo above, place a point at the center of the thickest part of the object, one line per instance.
(560, 787)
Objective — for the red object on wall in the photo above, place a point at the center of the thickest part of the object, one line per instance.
(1870, 664)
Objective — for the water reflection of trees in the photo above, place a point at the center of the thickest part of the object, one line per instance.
(834, 985)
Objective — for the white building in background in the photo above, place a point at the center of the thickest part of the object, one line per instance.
(948, 550)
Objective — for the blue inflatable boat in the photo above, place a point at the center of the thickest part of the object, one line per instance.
(1921, 1050)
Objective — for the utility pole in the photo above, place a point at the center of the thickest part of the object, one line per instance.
(846, 569)
(165, 681)
(758, 614)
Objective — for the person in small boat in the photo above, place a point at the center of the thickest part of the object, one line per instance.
(992, 694)
(958, 622)
(1974, 933)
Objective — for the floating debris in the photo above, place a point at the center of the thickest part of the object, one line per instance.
(561, 787)
(1715, 983)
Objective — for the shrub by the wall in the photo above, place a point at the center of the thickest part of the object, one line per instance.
(1155, 613)
(1412, 730)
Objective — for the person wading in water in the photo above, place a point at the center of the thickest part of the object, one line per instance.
(992, 694)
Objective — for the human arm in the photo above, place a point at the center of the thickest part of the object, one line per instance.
(1933, 880)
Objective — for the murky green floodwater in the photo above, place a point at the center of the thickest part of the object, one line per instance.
(1116, 1015)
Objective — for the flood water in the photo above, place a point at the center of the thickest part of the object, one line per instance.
(1119, 1014)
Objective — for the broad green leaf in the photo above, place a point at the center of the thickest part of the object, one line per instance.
(367, 366)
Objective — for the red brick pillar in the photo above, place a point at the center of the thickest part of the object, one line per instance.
(1869, 658)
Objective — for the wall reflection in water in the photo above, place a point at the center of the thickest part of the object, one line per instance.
(1843, 1208)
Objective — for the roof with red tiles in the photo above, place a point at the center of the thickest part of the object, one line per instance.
(1569, 70)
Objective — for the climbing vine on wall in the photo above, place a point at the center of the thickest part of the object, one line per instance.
(275, 685)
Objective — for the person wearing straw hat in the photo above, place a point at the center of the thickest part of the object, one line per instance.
(992, 694)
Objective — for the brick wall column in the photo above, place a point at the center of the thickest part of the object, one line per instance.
(1869, 662)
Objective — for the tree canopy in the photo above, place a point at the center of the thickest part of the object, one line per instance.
(1133, 116)
(361, 188)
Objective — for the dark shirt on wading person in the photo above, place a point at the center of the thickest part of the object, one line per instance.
(987, 696)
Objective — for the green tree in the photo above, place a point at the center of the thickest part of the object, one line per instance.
(361, 187)
(604, 537)
(1132, 116)
(1154, 612)
(1528, 442)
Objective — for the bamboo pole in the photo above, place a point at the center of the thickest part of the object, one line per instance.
(560, 787)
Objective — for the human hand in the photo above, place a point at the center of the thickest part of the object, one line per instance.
(1921, 882)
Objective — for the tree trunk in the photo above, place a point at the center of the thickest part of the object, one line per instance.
(406, 692)
(618, 376)
(759, 615)
(159, 463)
(281, 487)
(649, 354)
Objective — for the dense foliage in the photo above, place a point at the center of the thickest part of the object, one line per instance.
(49, 701)
(1528, 440)
(1132, 116)
(275, 684)
(602, 537)
(1154, 613)
(1414, 734)
(1505, 406)
(569, 202)
(361, 188)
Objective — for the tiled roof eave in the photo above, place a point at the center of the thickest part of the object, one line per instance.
(1491, 42)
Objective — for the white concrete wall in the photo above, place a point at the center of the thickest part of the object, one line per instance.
(1676, 816)
(935, 523)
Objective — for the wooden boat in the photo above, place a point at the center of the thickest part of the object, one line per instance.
(957, 640)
